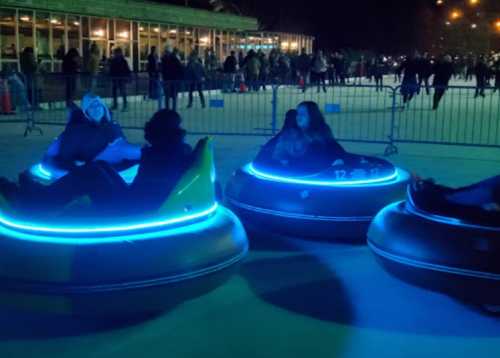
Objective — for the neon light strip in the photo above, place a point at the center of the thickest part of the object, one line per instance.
(433, 267)
(250, 169)
(41, 172)
(45, 174)
(39, 228)
(284, 214)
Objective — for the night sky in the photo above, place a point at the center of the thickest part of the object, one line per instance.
(389, 26)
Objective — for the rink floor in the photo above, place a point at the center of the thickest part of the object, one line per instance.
(291, 298)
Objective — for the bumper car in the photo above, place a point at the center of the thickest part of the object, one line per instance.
(450, 254)
(71, 264)
(338, 203)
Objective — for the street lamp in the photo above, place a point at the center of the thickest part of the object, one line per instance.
(455, 14)
(497, 25)
(473, 2)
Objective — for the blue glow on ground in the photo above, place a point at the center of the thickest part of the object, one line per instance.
(389, 179)
(37, 228)
(123, 237)
(41, 172)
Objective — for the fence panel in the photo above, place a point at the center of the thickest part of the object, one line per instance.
(460, 119)
(360, 113)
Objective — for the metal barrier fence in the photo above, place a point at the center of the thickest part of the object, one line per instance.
(358, 113)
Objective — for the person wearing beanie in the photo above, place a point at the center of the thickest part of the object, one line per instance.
(163, 161)
(90, 134)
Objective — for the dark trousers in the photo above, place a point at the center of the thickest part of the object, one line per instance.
(196, 86)
(425, 81)
(379, 83)
(153, 86)
(30, 80)
(119, 84)
(70, 88)
(480, 86)
(171, 90)
(97, 180)
(438, 94)
(320, 79)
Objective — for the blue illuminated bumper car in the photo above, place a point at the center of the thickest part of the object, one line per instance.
(338, 203)
(453, 254)
(127, 265)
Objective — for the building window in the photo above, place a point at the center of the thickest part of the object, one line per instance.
(74, 24)
(26, 29)
(58, 43)
(123, 36)
(8, 34)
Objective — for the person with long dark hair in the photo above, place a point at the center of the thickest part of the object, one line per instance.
(307, 144)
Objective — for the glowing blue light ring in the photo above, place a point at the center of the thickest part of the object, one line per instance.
(41, 172)
(389, 179)
(125, 229)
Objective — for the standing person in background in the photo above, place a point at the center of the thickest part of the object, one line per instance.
(172, 73)
(264, 69)
(361, 69)
(470, 65)
(284, 68)
(253, 70)
(496, 73)
(93, 66)
(340, 66)
(319, 68)
(153, 68)
(304, 68)
(120, 73)
(409, 85)
(378, 73)
(443, 72)
(70, 67)
(482, 73)
(424, 72)
(230, 70)
(195, 75)
(241, 59)
(29, 68)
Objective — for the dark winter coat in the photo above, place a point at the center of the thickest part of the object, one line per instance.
(171, 68)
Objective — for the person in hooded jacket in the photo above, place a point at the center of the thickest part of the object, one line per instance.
(162, 163)
(90, 135)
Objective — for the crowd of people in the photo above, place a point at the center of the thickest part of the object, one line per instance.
(172, 71)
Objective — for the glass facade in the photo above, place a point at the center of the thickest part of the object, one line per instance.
(53, 34)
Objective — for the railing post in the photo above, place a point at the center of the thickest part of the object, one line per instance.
(159, 89)
(391, 147)
(274, 109)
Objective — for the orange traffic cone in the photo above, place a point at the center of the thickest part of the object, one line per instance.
(5, 102)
